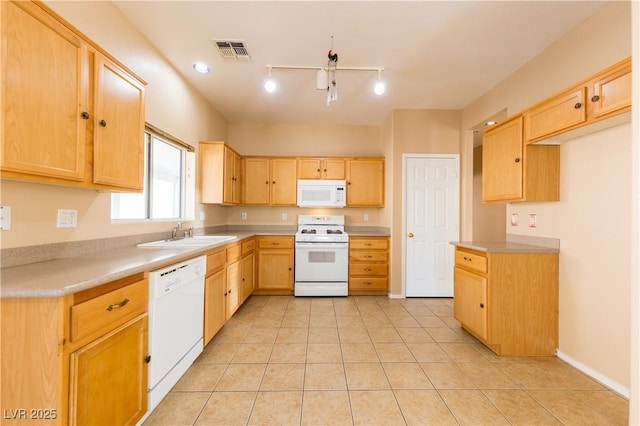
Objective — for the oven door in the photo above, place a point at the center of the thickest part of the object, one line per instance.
(322, 262)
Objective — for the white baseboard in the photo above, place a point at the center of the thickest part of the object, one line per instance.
(611, 384)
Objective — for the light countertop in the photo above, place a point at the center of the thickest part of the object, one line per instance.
(504, 247)
(68, 275)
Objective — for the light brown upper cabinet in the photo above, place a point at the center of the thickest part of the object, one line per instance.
(118, 147)
(270, 181)
(365, 182)
(220, 174)
(61, 99)
(601, 96)
(321, 168)
(512, 171)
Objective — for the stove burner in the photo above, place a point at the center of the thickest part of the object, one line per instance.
(334, 231)
(308, 231)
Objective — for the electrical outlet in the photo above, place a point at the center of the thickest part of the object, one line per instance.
(533, 220)
(366, 217)
(67, 218)
(202, 215)
(5, 218)
(514, 219)
(284, 216)
(243, 215)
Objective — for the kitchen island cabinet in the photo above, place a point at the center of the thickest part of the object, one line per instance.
(58, 355)
(70, 113)
(507, 297)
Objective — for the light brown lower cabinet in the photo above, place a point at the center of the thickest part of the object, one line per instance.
(228, 283)
(72, 360)
(368, 265)
(509, 301)
(275, 264)
(108, 381)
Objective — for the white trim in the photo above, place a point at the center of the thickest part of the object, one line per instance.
(611, 384)
(396, 296)
(405, 157)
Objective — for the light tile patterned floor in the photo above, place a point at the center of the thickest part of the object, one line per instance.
(371, 360)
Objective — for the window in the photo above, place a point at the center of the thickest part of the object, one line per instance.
(165, 185)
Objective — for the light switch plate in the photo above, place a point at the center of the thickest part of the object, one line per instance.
(514, 219)
(67, 218)
(533, 220)
(284, 216)
(243, 215)
(5, 218)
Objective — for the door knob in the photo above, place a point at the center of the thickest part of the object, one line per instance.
(410, 235)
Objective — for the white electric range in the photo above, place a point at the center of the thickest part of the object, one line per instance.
(321, 256)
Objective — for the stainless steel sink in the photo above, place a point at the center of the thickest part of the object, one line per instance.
(196, 241)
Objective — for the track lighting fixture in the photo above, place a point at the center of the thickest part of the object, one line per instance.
(270, 84)
(326, 76)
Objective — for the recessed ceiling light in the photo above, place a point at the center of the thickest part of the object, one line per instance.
(490, 123)
(202, 68)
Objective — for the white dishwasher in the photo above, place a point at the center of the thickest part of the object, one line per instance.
(176, 310)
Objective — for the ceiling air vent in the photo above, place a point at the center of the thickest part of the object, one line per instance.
(233, 50)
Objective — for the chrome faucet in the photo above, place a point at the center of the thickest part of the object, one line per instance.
(175, 230)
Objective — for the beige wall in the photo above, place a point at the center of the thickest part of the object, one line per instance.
(305, 140)
(189, 118)
(592, 219)
(488, 219)
(414, 132)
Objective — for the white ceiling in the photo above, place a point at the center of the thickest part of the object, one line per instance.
(435, 54)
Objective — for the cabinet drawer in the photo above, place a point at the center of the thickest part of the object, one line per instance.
(233, 253)
(216, 261)
(109, 310)
(371, 244)
(368, 256)
(472, 261)
(368, 284)
(368, 269)
(275, 242)
(248, 246)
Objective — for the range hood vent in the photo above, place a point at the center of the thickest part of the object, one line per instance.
(233, 50)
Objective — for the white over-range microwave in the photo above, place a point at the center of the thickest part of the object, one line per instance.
(322, 193)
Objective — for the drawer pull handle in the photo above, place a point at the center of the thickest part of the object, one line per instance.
(367, 283)
(368, 244)
(275, 244)
(117, 305)
(368, 269)
(578, 105)
(595, 98)
(368, 256)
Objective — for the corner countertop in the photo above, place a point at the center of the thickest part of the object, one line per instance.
(60, 277)
(504, 247)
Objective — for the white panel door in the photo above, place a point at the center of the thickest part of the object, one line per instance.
(431, 222)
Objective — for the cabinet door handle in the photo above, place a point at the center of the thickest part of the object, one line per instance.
(578, 105)
(274, 182)
(103, 123)
(117, 305)
(595, 98)
(482, 305)
(85, 115)
(517, 160)
(147, 359)
(267, 182)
